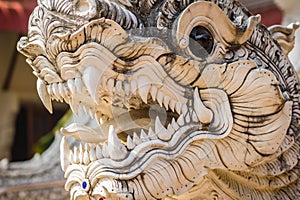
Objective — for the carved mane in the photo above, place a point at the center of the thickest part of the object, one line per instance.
(224, 95)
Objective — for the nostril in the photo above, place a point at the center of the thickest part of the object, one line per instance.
(102, 198)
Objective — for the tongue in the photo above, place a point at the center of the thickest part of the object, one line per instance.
(124, 123)
(84, 133)
(136, 119)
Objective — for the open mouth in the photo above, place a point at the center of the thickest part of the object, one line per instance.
(139, 131)
(141, 109)
(132, 121)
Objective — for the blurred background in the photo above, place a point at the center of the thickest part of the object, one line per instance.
(23, 118)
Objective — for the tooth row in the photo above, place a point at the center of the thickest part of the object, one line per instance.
(85, 154)
(113, 149)
(162, 133)
(144, 88)
(116, 150)
(62, 91)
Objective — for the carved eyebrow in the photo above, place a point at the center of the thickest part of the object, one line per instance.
(170, 10)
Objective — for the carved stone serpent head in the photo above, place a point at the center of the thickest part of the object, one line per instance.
(187, 99)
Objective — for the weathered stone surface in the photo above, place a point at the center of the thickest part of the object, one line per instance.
(38, 178)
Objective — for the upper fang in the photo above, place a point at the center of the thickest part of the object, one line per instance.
(116, 149)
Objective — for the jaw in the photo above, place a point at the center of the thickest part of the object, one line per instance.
(128, 138)
(141, 116)
(128, 155)
(135, 170)
(156, 114)
(142, 106)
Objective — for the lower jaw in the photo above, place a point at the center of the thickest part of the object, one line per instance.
(176, 173)
(169, 158)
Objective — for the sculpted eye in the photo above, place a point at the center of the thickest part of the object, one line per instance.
(201, 41)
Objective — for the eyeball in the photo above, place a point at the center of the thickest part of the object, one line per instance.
(201, 42)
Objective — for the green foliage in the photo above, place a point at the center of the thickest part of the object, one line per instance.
(47, 139)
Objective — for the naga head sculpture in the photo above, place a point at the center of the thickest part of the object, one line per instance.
(192, 99)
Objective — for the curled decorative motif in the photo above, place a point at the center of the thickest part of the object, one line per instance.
(204, 105)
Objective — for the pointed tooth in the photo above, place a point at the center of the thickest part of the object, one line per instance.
(194, 117)
(71, 157)
(91, 113)
(144, 95)
(66, 90)
(105, 150)
(98, 117)
(184, 109)
(172, 105)
(64, 153)
(187, 118)
(71, 86)
(174, 124)
(180, 120)
(166, 135)
(49, 90)
(110, 84)
(126, 88)
(81, 151)
(102, 121)
(136, 139)
(204, 114)
(43, 94)
(133, 87)
(166, 102)
(56, 91)
(144, 136)
(86, 157)
(116, 149)
(161, 131)
(74, 108)
(151, 134)
(159, 98)
(119, 87)
(91, 79)
(170, 128)
(93, 156)
(99, 154)
(178, 107)
(84, 108)
(159, 128)
(66, 93)
(76, 155)
(130, 144)
(61, 90)
(86, 146)
(78, 84)
(153, 92)
(144, 87)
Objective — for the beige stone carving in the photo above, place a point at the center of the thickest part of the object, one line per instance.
(291, 15)
(189, 100)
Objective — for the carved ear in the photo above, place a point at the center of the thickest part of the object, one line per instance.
(285, 36)
(224, 32)
(31, 49)
(82, 8)
(85, 8)
(210, 16)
